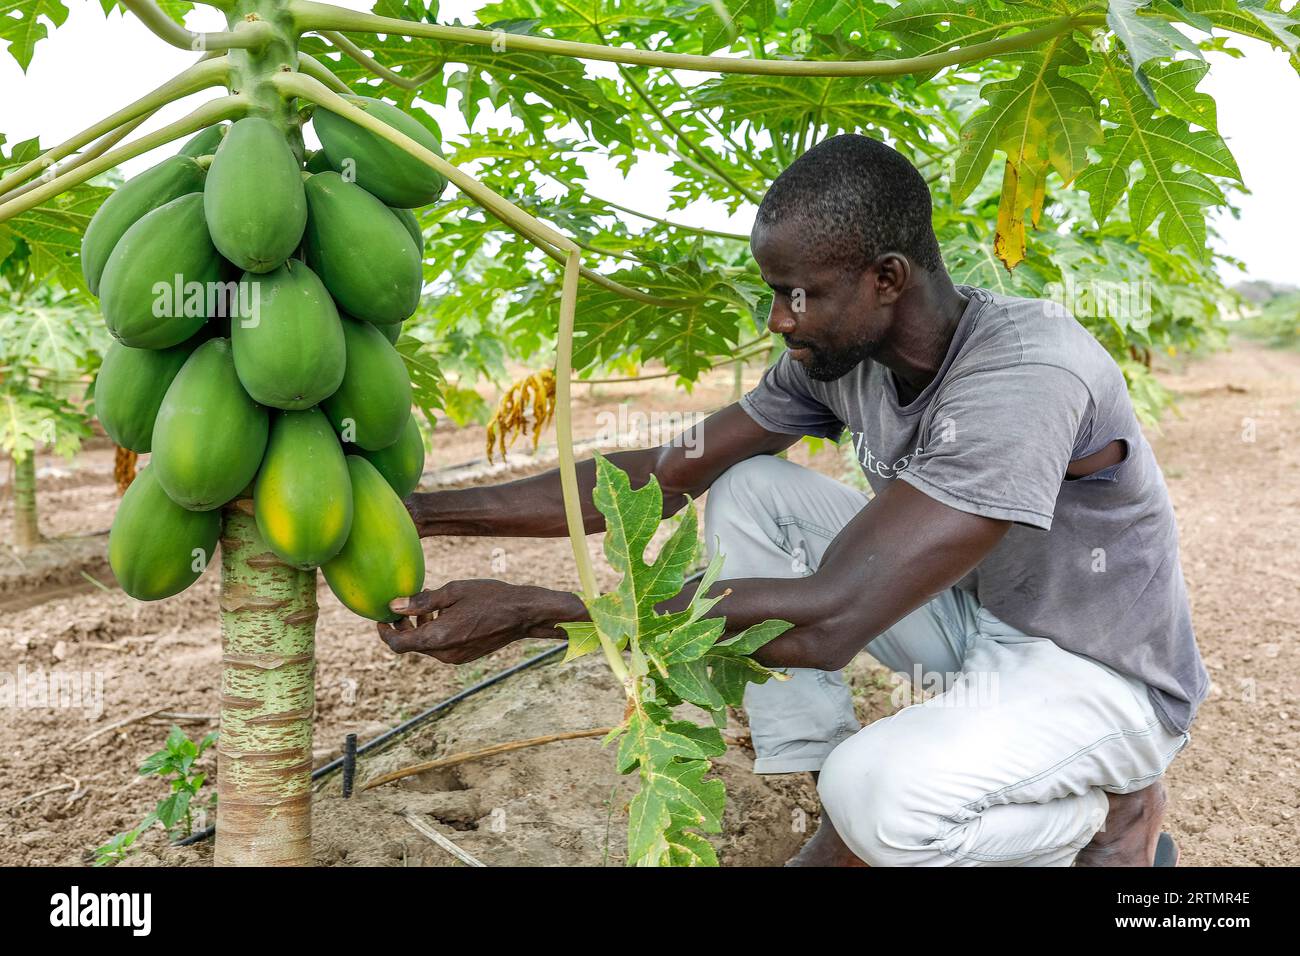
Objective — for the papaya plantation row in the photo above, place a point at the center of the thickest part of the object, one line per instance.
(255, 301)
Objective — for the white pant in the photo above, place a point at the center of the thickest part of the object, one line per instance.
(1008, 766)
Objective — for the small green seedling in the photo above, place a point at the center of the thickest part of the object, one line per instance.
(176, 763)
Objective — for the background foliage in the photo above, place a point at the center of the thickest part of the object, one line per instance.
(1087, 164)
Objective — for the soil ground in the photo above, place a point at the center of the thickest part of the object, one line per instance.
(1231, 454)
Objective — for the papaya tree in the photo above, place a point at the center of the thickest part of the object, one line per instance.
(49, 345)
(1015, 111)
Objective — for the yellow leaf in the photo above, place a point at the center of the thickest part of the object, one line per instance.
(1009, 241)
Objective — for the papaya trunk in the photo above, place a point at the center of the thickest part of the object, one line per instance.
(27, 534)
(264, 756)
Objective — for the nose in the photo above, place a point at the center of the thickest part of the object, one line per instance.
(780, 320)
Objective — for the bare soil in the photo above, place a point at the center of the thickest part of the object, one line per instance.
(1230, 455)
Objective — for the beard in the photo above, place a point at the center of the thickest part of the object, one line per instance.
(828, 364)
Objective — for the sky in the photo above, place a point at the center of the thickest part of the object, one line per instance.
(93, 65)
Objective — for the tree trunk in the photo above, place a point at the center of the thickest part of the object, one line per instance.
(264, 756)
(27, 534)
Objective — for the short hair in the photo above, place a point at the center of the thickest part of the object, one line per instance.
(857, 199)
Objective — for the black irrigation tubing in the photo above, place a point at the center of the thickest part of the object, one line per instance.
(407, 725)
(437, 708)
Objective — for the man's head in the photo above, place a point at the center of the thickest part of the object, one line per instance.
(839, 236)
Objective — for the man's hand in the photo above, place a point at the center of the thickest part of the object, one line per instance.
(465, 620)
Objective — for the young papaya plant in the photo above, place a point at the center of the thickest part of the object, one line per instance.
(267, 219)
(49, 346)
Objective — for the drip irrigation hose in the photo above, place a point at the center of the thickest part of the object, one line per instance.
(407, 725)
(420, 718)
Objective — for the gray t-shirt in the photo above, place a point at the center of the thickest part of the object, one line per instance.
(1091, 563)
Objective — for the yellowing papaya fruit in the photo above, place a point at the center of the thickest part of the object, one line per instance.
(156, 548)
(172, 178)
(382, 558)
(402, 462)
(206, 142)
(361, 251)
(161, 277)
(130, 388)
(290, 351)
(378, 166)
(209, 437)
(253, 200)
(372, 404)
(302, 499)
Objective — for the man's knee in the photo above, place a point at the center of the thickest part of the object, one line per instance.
(873, 795)
(741, 485)
(738, 500)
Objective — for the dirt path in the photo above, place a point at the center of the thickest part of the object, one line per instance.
(1231, 458)
(1232, 461)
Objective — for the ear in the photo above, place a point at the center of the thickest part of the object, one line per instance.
(892, 272)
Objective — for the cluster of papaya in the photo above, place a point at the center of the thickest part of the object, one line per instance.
(255, 306)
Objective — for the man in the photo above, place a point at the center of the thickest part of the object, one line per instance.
(1019, 544)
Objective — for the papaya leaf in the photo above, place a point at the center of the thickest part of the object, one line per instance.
(1174, 190)
(653, 735)
(23, 25)
(632, 518)
(674, 797)
(48, 238)
(844, 17)
(1175, 87)
(1251, 18)
(1039, 119)
(1145, 38)
(676, 655)
(426, 378)
(922, 27)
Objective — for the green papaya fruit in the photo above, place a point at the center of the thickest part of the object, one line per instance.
(206, 142)
(130, 388)
(382, 558)
(302, 499)
(254, 200)
(209, 437)
(172, 178)
(371, 405)
(392, 332)
(361, 251)
(402, 462)
(156, 548)
(318, 162)
(378, 166)
(160, 279)
(290, 350)
(412, 225)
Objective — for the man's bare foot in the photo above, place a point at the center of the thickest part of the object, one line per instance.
(825, 849)
(1128, 838)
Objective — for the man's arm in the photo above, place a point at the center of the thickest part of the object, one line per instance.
(893, 556)
(534, 507)
(478, 617)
